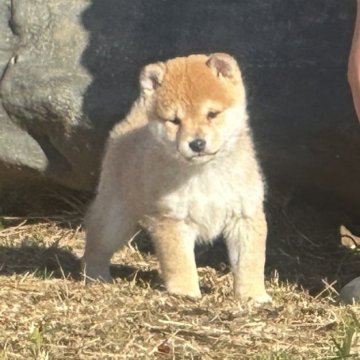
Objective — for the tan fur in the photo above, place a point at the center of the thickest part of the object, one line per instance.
(152, 176)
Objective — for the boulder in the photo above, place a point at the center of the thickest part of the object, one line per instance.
(350, 293)
(69, 69)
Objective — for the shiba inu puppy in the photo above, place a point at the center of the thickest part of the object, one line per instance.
(182, 164)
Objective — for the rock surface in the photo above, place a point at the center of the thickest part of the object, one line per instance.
(350, 293)
(69, 70)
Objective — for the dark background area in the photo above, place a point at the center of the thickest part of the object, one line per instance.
(293, 55)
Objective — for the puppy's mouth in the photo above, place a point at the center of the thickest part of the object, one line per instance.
(201, 157)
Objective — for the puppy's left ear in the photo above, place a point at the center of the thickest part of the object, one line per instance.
(224, 66)
(151, 77)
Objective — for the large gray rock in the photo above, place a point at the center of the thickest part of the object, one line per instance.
(42, 92)
(69, 70)
(350, 293)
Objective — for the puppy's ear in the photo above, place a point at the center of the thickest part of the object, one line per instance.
(224, 66)
(151, 77)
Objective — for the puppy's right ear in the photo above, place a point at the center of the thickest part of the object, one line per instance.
(151, 77)
(225, 66)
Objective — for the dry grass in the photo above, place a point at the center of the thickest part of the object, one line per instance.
(46, 312)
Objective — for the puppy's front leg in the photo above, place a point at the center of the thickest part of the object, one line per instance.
(246, 243)
(174, 242)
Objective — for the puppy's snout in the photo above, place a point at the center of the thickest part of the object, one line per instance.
(197, 145)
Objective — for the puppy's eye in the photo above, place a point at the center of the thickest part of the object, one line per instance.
(175, 121)
(212, 114)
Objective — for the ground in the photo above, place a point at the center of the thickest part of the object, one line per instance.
(47, 312)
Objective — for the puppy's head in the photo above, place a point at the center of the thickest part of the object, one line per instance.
(196, 104)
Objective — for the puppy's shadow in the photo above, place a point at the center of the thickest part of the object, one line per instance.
(39, 260)
(45, 262)
(142, 278)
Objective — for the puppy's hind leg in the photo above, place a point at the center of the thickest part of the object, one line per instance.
(108, 228)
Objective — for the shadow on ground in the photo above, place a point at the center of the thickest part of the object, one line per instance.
(40, 260)
(54, 262)
(305, 246)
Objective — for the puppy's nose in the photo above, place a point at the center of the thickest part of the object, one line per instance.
(197, 145)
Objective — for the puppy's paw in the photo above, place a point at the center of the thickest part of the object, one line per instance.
(257, 297)
(176, 289)
(262, 299)
(93, 272)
